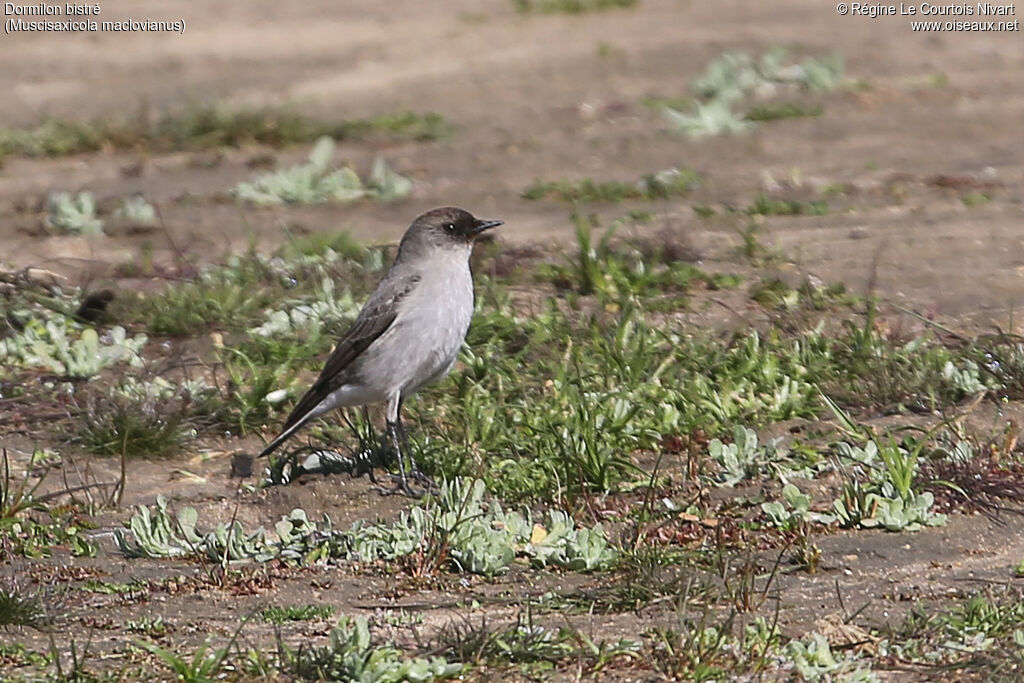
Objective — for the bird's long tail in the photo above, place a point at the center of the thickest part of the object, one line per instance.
(287, 433)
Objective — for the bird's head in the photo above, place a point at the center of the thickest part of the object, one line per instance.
(446, 227)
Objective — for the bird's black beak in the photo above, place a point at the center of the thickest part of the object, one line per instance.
(482, 225)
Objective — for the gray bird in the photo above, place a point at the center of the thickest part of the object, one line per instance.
(409, 332)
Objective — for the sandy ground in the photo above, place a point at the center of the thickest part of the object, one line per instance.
(551, 97)
(548, 97)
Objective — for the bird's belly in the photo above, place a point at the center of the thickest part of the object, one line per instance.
(416, 352)
(352, 394)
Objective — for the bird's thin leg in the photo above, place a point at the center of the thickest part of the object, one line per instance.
(394, 405)
(415, 473)
(368, 443)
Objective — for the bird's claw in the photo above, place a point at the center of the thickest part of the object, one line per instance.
(401, 486)
(420, 478)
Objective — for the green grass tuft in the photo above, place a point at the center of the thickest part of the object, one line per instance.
(775, 111)
(281, 615)
(974, 199)
(673, 182)
(139, 419)
(568, 6)
(19, 607)
(211, 127)
(764, 205)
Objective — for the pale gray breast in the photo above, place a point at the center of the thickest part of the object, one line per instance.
(424, 341)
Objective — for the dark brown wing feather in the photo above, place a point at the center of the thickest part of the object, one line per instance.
(374, 320)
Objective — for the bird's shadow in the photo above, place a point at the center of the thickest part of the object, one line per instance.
(370, 450)
(310, 459)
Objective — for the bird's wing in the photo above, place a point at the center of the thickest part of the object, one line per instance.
(374, 320)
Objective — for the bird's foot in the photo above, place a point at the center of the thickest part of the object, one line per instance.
(401, 486)
(420, 478)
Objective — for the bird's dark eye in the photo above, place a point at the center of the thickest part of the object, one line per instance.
(450, 227)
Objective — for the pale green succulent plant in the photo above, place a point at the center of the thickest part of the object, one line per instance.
(314, 182)
(74, 214)
(64, 350)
